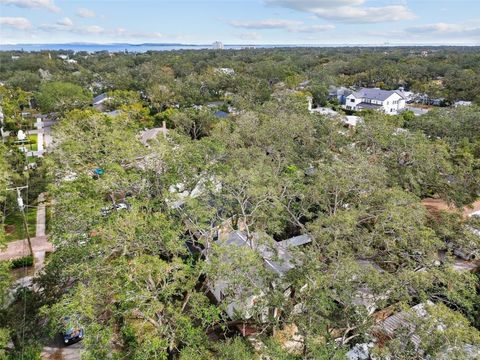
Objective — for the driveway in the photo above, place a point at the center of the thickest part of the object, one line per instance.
(58, 351)
(19, 248)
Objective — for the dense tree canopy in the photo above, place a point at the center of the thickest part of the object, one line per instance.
(141, 232)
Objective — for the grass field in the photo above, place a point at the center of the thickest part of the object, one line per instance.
(14, 228)
(32, 144)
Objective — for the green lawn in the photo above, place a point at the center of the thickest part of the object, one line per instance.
(14, 228)
(48, 219)
(32, 143)
(33, 146)
(31, 159)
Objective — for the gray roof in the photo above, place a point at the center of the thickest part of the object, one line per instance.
(113, 113)
(364, 105)
(297, 240)
(277, 256)
(403, 319)
(339, 91)
(221, 114)
(99, 98)
(375, 94)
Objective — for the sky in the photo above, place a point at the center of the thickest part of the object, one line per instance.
(315, 22)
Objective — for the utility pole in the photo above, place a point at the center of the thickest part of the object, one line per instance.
(21, 206)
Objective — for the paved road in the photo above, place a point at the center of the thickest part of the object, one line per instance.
(41, 216)
(40, 244)
(19, 248)
(58, 351)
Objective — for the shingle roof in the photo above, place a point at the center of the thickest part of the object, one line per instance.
(375, 94)
(278, 256)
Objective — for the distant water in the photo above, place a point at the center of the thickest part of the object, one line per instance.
(126, 47)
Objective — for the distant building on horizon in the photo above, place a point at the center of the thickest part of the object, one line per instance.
(217, 45)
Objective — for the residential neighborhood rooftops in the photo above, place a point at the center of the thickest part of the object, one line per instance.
(376, 94)
(278, 257)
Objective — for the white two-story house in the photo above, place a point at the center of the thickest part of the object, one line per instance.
(390, 102)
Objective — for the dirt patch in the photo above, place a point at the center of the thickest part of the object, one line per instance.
(9, 229)
(435, 206)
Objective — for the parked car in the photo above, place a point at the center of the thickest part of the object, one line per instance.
(72, 331)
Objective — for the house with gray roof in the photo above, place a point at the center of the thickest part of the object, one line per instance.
(100, 99)
(390, 102)
(407, 320)
(278, 258)
(339, 93)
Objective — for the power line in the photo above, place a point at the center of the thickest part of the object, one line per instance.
(21, 206)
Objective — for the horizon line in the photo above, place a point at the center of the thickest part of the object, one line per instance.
(387, 44)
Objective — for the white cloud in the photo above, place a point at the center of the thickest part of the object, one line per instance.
(67, 22)
(435, 33)
(347, 10)
(367, 14)
(85, 13)
(308, 5)
(445, 29)
(289, 25)
(265, 24)
(31, 4)
(313, 28)
(19, 23)
(91, 29)
(67, 25)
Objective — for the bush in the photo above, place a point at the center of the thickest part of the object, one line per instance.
(21, 262)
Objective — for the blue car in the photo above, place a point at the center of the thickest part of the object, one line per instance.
(72, 333)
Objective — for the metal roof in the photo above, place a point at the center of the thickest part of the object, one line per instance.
(99, 98)
(403, 319)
